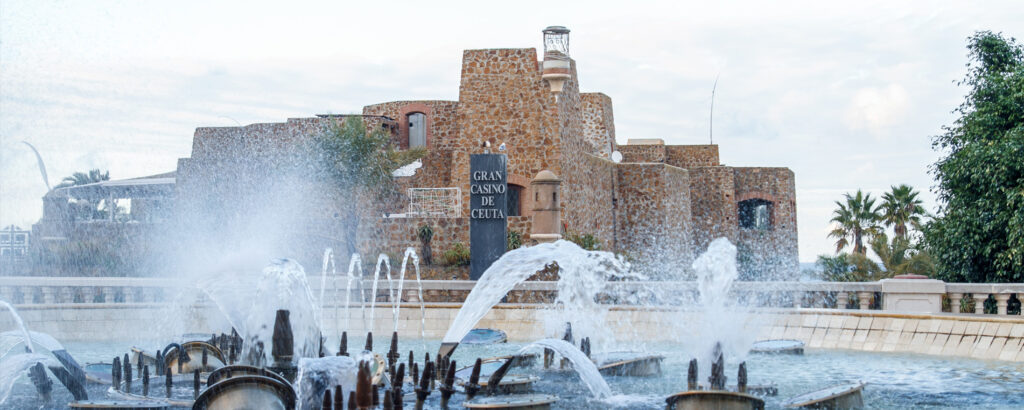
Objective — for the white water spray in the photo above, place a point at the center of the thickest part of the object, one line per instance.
(516, 266)
(411, 254)
(580, 363)
(21, 325)
(355, 263)
(382, 259)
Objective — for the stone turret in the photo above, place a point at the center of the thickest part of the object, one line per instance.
(547, 210)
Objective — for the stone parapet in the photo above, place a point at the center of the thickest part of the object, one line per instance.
(988, 338)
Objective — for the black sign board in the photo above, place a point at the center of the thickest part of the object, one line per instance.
(488, 210)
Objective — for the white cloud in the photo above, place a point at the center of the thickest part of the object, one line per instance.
(874, 109)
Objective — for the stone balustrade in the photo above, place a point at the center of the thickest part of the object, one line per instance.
(897, 295)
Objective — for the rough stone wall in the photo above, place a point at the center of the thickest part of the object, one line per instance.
(598, 123)
(257, 185)
(653, 217)
(773, 253)
(502, 99)
(587, 179)
(642, 153)
(442, 132)
(678, 238)
(393, 235)
(587, 208)
(689, 156)
(713, 205)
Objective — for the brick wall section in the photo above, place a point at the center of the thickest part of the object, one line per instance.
(442, 132)
(393, 235)
(588, 209)
(713, 204)
(598, 123)
(774, 252)
(653, 216)
(689, 156)
(587, 179)
(642, 153)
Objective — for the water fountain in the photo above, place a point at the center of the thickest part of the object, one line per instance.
(276, 357)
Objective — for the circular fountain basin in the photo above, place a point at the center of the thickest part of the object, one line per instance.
(247, 392)
(214, 358)
(484, 337)
(118, 404)
(843, 396)
(242, 370)
(713, 399)
(514, 401)
(778, 346)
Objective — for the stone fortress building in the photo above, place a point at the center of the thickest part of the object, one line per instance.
(658, 204)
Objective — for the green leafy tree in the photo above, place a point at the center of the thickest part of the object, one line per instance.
(978, 235)
(901, 207)
(855, 219)
(847, 267)
(361, 162)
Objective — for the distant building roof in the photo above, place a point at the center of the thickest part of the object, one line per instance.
(152, 186)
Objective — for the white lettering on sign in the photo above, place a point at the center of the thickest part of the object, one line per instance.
(486, 213)
(496, 186)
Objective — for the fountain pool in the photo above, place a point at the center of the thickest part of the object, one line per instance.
(893, 380)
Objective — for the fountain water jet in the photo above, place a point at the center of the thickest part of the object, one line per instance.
(513, 268)
(580, 363)
(382, 259)
(21, 325)
(354, 263)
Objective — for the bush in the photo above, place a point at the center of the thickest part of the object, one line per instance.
(515, 240)
(586, 241)
(458, 255)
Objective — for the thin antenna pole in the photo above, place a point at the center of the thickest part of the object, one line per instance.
(711, 118)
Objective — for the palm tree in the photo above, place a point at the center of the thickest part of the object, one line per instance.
(901, 257)
(85, 208)
(855, 219)
(901, 207)
(82, 178)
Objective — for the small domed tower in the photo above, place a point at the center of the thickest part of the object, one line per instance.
(556, 57)
(547, 223)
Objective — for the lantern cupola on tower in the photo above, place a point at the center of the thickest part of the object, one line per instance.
(556, 57)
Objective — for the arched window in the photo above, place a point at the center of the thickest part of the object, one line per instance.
(756, 213)
(417, 129)
(515, 193)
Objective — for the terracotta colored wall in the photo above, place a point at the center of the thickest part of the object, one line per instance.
(442, 132)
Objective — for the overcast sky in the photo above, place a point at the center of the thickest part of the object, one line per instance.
(847, 97)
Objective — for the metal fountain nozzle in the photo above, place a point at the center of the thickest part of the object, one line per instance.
(284, 340)
(447, 348)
